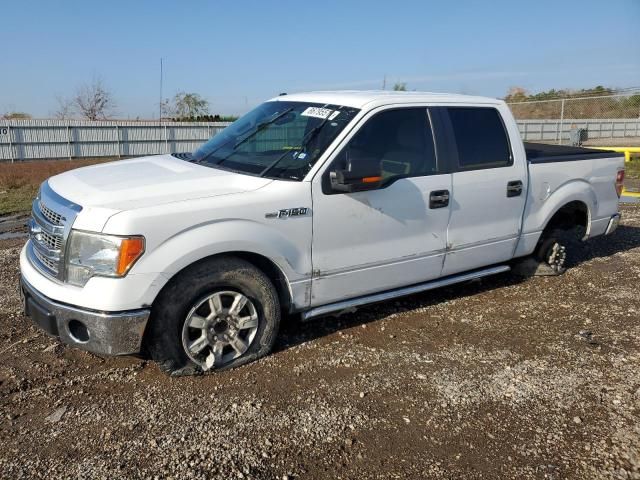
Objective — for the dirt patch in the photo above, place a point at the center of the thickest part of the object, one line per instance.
(19, 181)
(499, 378)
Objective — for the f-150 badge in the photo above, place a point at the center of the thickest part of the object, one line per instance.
(288, 212)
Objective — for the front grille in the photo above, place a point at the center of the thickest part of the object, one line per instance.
(53, 242)
(53, 217)
(48, 263)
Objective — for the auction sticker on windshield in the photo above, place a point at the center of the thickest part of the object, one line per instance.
(318, 112)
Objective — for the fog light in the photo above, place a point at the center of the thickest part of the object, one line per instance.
(78, 331)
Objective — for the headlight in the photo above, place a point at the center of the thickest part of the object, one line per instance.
(91, 254)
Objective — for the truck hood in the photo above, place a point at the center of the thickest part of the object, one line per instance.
(146, 181)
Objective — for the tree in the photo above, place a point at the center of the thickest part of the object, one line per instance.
(93, 101)
(16, 116)
(166, 108)
(400, 87)
(188, 105)
(516, 94)
(65, 108)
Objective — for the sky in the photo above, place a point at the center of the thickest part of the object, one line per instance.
(238, 53)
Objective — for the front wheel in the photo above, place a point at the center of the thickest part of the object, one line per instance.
(220, 313)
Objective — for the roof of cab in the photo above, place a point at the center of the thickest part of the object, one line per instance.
(373, 98)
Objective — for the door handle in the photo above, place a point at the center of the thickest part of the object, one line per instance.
(439, 199)
(514, 188)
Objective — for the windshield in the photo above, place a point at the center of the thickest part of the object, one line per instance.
(277, 139)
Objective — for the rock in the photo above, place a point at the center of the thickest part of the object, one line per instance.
(56, 416)
(361, 394)
(577, 420)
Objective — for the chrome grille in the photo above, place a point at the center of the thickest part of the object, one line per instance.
(49, 227)
(53, 242)
(47, 262)
(53, 217)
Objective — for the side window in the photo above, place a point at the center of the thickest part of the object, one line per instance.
(480, 137)
(400, 141)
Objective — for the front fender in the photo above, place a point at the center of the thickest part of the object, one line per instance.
(227, 236)
(231, 235)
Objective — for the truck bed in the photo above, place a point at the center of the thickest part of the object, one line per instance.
(545, 153)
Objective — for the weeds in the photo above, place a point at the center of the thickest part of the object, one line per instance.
(19, 182)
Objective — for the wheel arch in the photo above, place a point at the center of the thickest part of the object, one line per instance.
(569, 215)
(261, 262)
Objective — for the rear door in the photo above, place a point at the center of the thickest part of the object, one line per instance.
(488, 191)
(375, 240)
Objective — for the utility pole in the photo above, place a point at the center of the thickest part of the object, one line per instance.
(160, 106)
(384, 82)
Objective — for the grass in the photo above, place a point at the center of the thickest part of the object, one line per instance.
(19, 182)
(632, 169)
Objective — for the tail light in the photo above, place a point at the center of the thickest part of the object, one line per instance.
(620, 182)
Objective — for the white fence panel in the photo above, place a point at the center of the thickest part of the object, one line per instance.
(40, 139)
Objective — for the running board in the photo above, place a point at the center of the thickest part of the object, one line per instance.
(401, 292)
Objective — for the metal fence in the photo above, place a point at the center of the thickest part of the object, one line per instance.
(599, 131)
(607, 119)
(39, 139)
(604, 117)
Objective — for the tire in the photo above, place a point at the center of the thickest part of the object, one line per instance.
(205, 295)
(552, 251)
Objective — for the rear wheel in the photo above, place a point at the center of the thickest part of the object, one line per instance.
(221, 313)
(552, 251)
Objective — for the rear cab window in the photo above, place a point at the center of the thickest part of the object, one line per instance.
(480, 137)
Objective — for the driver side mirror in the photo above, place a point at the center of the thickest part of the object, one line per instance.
(364, 174)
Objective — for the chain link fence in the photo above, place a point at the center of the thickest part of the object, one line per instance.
(610, 120)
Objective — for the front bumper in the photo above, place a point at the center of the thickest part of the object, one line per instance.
(103, 333)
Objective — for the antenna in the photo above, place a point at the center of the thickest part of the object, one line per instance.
(160, 107)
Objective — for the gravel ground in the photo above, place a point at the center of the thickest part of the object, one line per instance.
(499, 378)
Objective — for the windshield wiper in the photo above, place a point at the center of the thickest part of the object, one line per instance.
(261, 126)
(310, 135)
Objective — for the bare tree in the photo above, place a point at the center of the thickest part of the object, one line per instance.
(167, 108)
(65, 108)
(93, 101)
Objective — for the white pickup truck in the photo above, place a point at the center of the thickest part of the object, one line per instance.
(313, 203)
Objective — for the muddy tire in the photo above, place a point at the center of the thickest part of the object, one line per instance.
(218, 314)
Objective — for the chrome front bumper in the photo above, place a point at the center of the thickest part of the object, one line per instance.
(103, 333)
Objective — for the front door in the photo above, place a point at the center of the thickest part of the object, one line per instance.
(393, 236)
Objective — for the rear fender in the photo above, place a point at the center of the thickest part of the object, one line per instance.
(540, 211)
